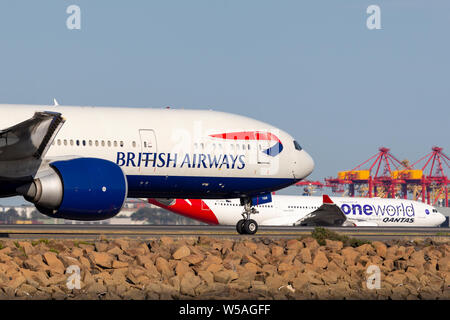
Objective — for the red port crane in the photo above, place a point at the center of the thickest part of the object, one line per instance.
(384, 165)
(436, 180)
(386, 176)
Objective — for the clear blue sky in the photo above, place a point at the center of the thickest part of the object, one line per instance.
(312, 68)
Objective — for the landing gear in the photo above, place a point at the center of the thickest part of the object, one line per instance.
(240, 226)
(247, 225)
(250, 226)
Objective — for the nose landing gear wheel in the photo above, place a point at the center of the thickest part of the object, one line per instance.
(247, 225)
(240, 226)
(250, 226)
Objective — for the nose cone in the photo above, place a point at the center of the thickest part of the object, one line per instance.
(303, 165)
(441, 219)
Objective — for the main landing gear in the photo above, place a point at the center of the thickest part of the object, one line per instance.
(247, 225)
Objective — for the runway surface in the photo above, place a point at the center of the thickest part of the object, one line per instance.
(90, 231)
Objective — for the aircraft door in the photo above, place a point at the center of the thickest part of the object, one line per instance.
(148, 149)
(263, 157)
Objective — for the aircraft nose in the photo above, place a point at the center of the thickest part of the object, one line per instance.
(303, 165)
(441, 219)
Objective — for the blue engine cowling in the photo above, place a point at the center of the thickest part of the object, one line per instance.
(80, 189)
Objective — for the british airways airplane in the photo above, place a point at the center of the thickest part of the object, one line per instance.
(81, 163)
(308, 211)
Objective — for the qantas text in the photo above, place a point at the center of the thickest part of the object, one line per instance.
(175, 160)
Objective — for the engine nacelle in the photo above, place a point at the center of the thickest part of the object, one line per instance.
(79, 189)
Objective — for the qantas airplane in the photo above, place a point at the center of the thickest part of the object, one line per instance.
(308, 211)
(81, 163)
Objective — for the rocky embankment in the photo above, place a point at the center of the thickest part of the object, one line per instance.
(209, 268)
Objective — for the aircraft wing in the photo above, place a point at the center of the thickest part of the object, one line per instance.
(328, 214)
(30, 138)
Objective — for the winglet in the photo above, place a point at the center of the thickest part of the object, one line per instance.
(327, 200)
(55, 103)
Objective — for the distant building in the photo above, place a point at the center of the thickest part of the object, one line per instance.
(123, 217)
(24, 210)
(132, 206)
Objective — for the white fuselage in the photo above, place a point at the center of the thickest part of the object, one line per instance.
(287, 210)
(174, 153)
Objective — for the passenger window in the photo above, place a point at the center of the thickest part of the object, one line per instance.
(115, 143)
(103, 143)
(65, 142)
(71, 142)
(84, 143)
(134, 144)
(109, 143)
(121, 143)
(96, 143)
(90, 143)
(59, 142)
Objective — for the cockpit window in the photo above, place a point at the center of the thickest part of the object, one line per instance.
(435, 211)
(297, 146)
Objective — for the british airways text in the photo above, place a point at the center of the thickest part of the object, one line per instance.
(175, 160)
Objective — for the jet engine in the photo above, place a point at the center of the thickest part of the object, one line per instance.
(78, 189)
